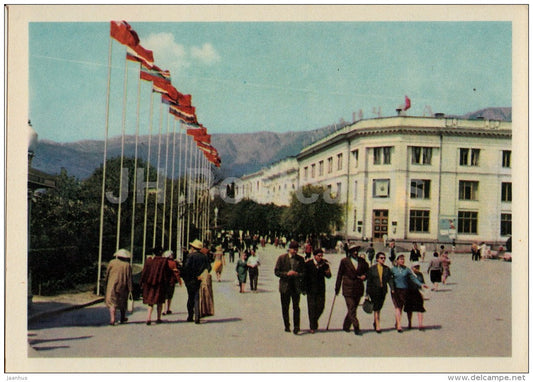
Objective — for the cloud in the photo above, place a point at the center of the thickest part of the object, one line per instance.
(206, 54)
(168, 54)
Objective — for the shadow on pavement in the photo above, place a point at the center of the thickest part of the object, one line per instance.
(222, 320)
(36, 342)
(87, 317)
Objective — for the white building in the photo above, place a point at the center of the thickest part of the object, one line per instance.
(410, 178)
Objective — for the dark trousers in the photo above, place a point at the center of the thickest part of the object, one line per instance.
(285, 302)
(315, 308)
(231, 256)
(193, 300)
(254, 275)
(352, 302)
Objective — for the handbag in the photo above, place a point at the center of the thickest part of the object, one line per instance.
(130, 303)
(368, 305)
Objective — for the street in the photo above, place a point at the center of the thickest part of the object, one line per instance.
(469, 317)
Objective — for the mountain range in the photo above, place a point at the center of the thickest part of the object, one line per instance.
(240, 153)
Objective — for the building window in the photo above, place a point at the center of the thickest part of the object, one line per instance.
(355, 191)
(354, 220)
(469, 157)
(506, 226)
(467, 222)
(506, 158)
(339, 161)
(355, 154)
(421, 155)
(468, 190)
(507, 192)
(330, 165)
(321, 168)
(313, 170)
(382, 155)
(339, 189)
(418, 221)
(420, 188)
(306, 172)
(381, 188)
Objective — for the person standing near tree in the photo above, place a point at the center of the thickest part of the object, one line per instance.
(290, 268)
(316, 271)
(352, 273)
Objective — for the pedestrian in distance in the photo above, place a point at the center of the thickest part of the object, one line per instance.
(445, 261)
(392, 251)
(308, 250)
(400, 277)
(351, 275)
(242, 271)
(174, 279)
(378, 279)
(206, 298)
(435, 271)
(220, 262)
(195, 265)
(414, 301)
(155, 279)
(253, 270)
(370, 253)
(118, 281)
(317, 270)
(415, 254)
(423, 251)
(476, 252)
(290, 268)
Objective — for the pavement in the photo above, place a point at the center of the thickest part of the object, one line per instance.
(46, 306)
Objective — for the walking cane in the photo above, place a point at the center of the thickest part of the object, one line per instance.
(331, 311)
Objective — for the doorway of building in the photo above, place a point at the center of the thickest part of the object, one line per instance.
(380, 223)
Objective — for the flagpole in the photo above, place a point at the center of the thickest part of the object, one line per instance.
(189, 197)
(132, 233)
(157, 177)
(146, 184)
(163, 218)
(101, 233)
(184, 177)
(172, 185)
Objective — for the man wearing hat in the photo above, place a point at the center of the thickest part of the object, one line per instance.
(316, 270)
(195, 264)
(290, 268)
(352, 273)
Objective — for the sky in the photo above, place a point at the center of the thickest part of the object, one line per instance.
(265, 76)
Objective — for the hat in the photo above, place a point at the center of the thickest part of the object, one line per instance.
(168, 253)
(197, 244)
(317, 251)
(353, 248)
(294, 244)
(415, 264)
(125, 254)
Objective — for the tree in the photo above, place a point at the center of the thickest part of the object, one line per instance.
(312, 212)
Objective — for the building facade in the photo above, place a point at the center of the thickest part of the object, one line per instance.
(407, 178)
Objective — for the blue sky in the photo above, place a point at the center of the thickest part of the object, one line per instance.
(267, 76)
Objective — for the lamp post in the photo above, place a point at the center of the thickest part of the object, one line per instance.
(215, 210)
(32, 142)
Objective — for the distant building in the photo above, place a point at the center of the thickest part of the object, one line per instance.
(410, 178)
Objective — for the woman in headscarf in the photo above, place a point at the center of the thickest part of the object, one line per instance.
(154, 281)
(119, 285)
(414, 301)
(175, 278)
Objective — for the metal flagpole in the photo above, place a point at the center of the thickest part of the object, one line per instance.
(132, 233)
(179, 236)
(170, 225)
(163, 223)
(101, 233)
(147, 177)
(189, 189)
(157, 177)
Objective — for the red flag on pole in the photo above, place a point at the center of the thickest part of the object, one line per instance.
(407, 103)
(122, 32)
(140, 54)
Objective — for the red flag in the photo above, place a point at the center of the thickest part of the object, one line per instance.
(153, 73)
(140, 54)
(122, 32)
(407, 103)
(196, 132)
(203, 138)
(182, 116)
(168, 92)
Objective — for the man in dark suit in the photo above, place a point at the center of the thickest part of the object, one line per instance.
(316, 270)
(352, 273)
(195, 264)
(290, 268)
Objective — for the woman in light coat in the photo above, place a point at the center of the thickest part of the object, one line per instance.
(118, 280)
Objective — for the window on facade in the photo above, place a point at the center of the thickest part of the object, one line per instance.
(506, 158)
(420, 188)
(330, 165)
(507, 192)
(339, 161)
(506, 226)
(382, 155)
(321, 168)
(306, 171)
(313, 170)
(469, 157)
(339, 189)
(355, 191)
(355, 154)
(421, 155)
(418, 221)
(468, 190)
(467, 222)
(381, 188)
(354, 220)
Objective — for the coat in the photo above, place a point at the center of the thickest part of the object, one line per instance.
(290, 283)
(350, 278)
(155, 279)
(373, 285)
(118, 282)
(314, 277)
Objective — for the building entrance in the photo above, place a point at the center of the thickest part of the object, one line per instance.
(380, 223)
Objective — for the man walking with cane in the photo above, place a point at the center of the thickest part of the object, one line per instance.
(352, 273)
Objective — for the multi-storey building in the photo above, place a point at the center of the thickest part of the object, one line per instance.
(410, 178)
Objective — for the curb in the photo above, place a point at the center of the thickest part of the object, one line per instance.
(38, 316)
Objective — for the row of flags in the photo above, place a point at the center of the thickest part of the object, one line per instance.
(179, 105)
